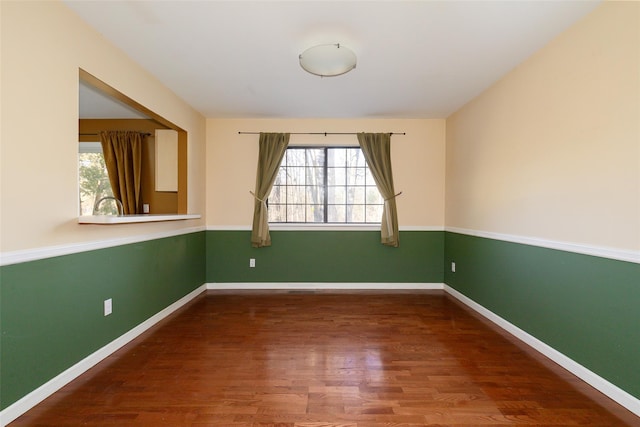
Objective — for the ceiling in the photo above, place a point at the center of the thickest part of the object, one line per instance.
(416, 59)
(94, 104)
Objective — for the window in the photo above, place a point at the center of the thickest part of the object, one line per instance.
(324, 185)
(94, 180)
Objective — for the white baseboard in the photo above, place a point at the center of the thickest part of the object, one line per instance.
(324, 285)
(18, 408)
(591, 378)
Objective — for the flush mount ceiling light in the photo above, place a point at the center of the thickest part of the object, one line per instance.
(328, 60)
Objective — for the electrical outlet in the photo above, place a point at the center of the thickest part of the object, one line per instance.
(252, 262)
(145, 208)
(108, 308)
(453, 267)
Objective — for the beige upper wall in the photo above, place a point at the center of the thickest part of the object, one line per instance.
(43, 46)
(552, 150)
(417, 157)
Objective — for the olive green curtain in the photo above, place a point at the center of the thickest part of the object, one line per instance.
(123, 156)
(376, 148)
(272, 147)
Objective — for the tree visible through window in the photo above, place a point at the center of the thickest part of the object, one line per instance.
(94, 181)
(324, 185)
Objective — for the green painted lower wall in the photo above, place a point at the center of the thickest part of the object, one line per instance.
(586, 307)
(52, 309)
(325, 256)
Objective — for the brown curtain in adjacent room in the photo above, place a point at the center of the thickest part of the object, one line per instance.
(376, 148)
(272, 147)
(123, 156)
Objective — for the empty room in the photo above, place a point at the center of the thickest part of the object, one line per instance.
(320, 213)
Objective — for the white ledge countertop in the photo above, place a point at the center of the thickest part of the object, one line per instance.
(126, 219)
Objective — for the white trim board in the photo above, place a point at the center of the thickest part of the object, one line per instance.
(325, 227)
(27, 402)
(324, 285)
(586, 375)
(599, 251)
(16, 257)
(128, 219)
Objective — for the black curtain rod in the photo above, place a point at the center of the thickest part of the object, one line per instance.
(320, 133)
(95, 134)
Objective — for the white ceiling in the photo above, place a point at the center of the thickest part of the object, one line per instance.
(416, 59)
(94, 104)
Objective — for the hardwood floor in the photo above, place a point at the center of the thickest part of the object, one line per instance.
(312, 359)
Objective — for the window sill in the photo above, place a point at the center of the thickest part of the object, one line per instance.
(128, 219)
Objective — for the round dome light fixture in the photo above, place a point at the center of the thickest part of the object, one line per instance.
(328, 60)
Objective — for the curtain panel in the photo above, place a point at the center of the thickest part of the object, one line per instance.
(376, 148)
(123, 157)
(272, 147)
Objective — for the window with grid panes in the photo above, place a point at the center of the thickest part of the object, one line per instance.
(324, 185)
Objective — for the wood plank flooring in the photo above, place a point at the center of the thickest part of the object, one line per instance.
(326, 359)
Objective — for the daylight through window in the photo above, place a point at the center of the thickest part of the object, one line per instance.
(324, 185)
(94, 180)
